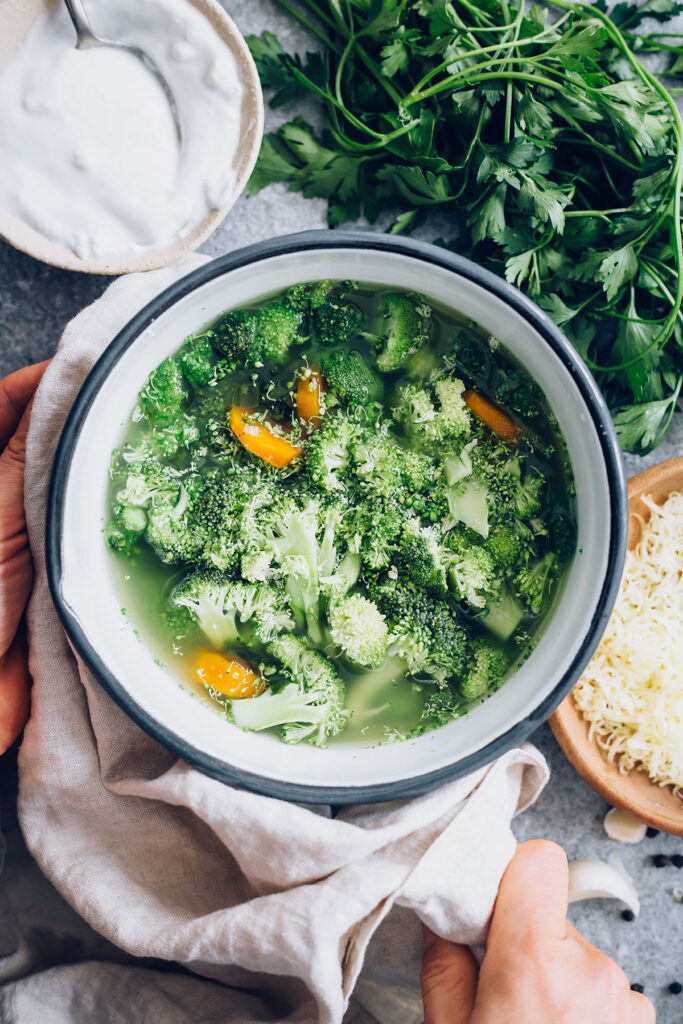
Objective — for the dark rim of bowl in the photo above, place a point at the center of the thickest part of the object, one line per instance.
(410, 786)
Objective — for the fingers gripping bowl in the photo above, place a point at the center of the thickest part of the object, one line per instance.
(347, 770)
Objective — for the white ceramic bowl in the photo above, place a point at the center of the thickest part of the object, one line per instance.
(16, 18)
(80, 564)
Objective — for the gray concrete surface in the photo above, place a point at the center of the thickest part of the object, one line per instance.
(36, 301)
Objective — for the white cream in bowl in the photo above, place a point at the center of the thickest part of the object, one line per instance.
(90, 154)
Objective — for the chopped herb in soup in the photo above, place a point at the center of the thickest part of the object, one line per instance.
(341, 511)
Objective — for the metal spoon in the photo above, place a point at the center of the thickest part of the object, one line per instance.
(87, 39)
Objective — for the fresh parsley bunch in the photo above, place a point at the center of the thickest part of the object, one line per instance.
(537, 138)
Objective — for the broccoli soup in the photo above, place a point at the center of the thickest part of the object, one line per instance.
(341, 513)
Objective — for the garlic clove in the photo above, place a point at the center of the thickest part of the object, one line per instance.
(594, 879)
(624, 827)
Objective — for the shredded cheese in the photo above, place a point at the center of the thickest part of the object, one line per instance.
(632, 691)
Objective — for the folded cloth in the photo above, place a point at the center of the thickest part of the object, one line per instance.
(245, 890)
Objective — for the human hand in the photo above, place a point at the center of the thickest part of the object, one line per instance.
(16, 569)
(537, 968)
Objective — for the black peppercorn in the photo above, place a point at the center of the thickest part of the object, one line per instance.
(677, 860)
(627, 915)
(637, 987)
(651, 832)
(675, 988)
(660, 860)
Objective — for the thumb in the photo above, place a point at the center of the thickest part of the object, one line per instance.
(16, 571)
(12, 463)
(532, 896)
(14, 692)
(449, 981)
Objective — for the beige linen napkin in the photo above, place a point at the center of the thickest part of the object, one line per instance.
(248, 891)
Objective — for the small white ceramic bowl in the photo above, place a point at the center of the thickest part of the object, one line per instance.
(15, 21)
(80, 564)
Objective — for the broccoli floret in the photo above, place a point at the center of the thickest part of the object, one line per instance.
(311, 707)
(419, 470)
(177, 621)
(453, 417)
(334, 323)
(233, 336)
(406, 327)
(520, 393)
(305, 297)
(163, 394)
(373, 528)
(449, 644)
(377, 462)
(562, 534)
(423, 560)
(149, 482)
(351, 378)
(409, 479)
(122, 541)
(328, 452)
(216, 519)
(504, 545)
(434, 414)
(528, 500)
(422, 486)
(170, 529)
(211, 411)
(295, 541)
(219, 605)
(123, 534)
(304, 714)
(474, 359)
(197, 362)
(461, 538)
(528, 489)
(131, 518)
(425, 631)
(442, 705)
(224, 513)
(533, 583)
(199, 519)
(360, 629)
(515, 487)
(488, 665)
(163, 442)
(248, 338)
(277, 329)
(207, 597)
(474, 578)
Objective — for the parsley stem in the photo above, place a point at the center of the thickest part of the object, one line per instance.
(476, 12)
(360, 52)
(318, 32)
(588, 140)
(481, 51)
(597, 213)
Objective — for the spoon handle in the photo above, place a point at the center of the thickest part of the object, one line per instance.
(85, 35)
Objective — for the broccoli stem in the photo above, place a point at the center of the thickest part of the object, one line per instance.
(272, 709)
(503, 617)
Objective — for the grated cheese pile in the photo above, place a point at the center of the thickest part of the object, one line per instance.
(632, 691)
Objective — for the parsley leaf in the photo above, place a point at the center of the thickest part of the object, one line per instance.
(543, 145)
(641, 427)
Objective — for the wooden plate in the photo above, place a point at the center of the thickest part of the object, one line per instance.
(632, 792)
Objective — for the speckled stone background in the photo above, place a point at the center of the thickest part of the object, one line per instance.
(36, 301)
